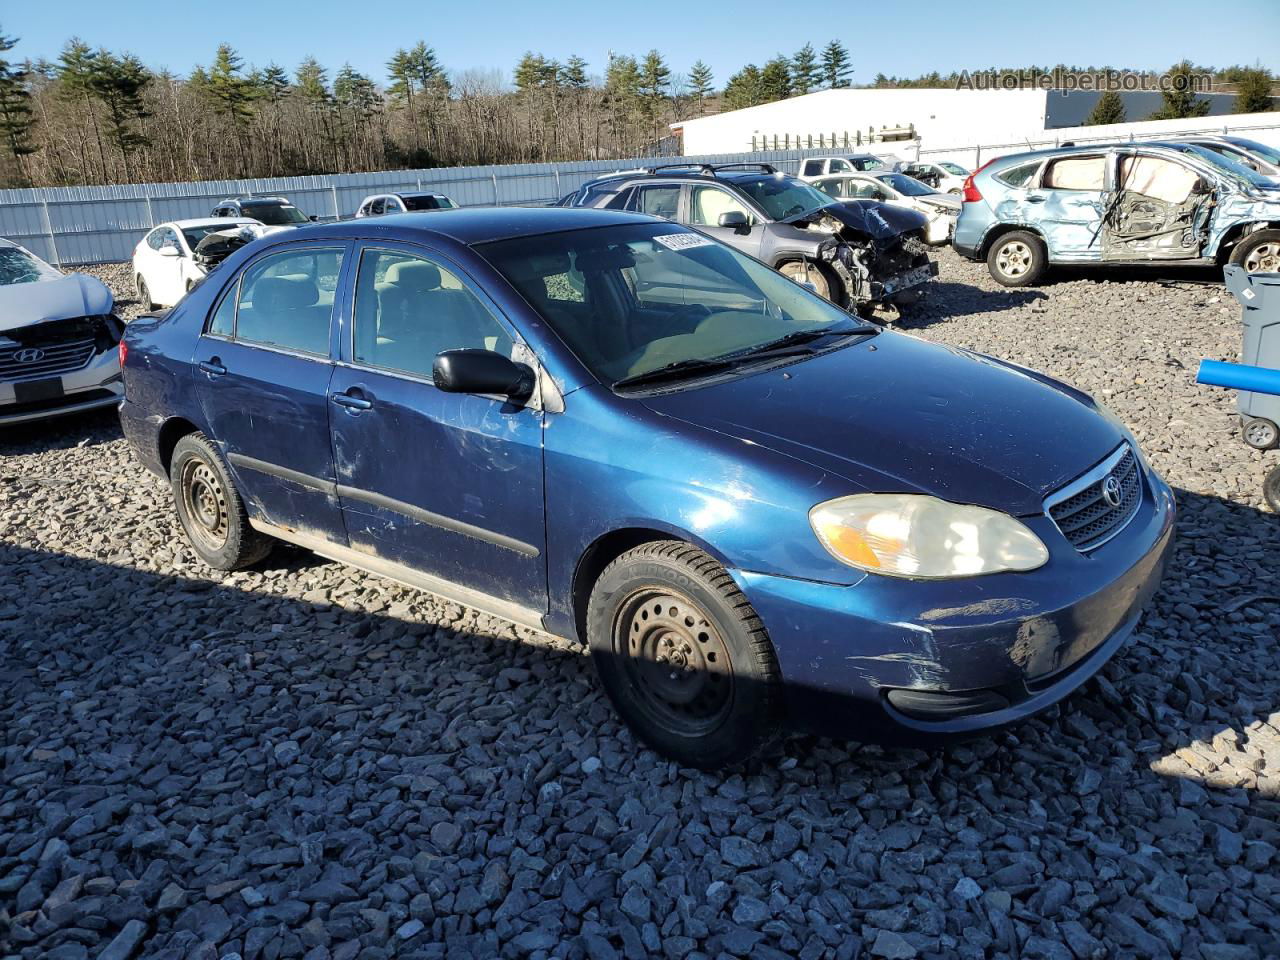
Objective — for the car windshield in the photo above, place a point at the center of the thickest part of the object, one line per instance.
(194, 235)
(273, 214)
(909, 186)
(633, 299)
(18, 266)
(1269, 154)
(427, 203)
(781, 196)
(954, 168)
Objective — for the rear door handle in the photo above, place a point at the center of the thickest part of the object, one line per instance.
(351, 402)
(213, 368)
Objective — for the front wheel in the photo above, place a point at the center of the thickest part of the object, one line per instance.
(1259, 252)
(1017, 259)
(683, 656)
(811, 275)
(144, 294)
(210, 509)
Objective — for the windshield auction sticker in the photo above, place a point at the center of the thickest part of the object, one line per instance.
(683, 241)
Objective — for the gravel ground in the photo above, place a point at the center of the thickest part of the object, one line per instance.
(302, 760)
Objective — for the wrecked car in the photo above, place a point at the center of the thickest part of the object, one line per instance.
(756, 511)
(173, 257)
(898, 190)
(1117, 204)
(58, 339)
(860, 255)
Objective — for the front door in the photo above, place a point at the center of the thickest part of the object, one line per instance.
(262, 372)
(1068, 206)
(448, 484)
(1159, 213)
(707, 203)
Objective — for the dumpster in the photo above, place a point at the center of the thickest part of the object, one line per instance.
(1259, 296)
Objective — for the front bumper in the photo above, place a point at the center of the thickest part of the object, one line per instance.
(94, 386)
(907, 280)
(1015, 644)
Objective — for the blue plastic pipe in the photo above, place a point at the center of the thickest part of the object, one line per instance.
(1238, 376)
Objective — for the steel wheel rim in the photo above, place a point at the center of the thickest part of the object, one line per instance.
(676, 661)
(1014, 259)
(204, 501)
(1259, 434)
(803, 273)
(1264, 258)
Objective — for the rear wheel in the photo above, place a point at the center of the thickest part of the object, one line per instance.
(209, 508)
(683, 656)
(1259, 252)
(1260, 433)
(802, 271)
(1017, 259)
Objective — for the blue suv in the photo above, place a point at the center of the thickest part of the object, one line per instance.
(1117, 204)
(756, 511)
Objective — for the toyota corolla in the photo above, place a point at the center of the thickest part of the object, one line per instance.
(757, 512)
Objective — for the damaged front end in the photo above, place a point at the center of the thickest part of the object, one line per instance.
(877, 251)
(216, 247)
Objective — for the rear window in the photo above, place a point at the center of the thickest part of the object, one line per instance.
(273, 214)
(427, 203)
(1018, 176)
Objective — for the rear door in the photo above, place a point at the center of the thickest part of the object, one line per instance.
(1067, 206)
(1159, 212)
(262, 372)
(448, 484)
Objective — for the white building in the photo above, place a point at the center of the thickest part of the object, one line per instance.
(937, 118)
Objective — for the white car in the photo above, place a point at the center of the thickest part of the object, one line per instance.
(944, 176)
(899, 190)
(815, 167)
(164, 262)
(384, 204)
(58, 340)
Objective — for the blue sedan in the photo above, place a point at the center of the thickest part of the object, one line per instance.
(756, 511)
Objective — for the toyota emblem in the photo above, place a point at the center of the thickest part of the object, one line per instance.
(1111, 490)
(29, 355)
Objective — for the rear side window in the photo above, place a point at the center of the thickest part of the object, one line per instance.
(409, 309)
(286, 300)
(657, 201)
(1075, 173)
(1018, 176)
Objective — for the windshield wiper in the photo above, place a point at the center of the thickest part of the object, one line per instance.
(799, 337)
(675, 371)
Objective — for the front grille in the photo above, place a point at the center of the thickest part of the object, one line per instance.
(29, 363)
(1082, 511)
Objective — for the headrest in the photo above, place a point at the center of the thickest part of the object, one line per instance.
(417, 275)
(284, 293)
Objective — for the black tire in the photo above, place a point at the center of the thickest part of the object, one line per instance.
(1017, 259)
(1271, 489)
(683, 656)
(144, 294)
(824, 284)
(210, 509)
(1259, 252)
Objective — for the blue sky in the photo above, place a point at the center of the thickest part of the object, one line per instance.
(493, 34)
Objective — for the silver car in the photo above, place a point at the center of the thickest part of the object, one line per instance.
(58, 340)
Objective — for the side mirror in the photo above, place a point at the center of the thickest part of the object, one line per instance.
(170, 251)
(482, 371)
(735, 219)
(1202, 187)
(313, 218)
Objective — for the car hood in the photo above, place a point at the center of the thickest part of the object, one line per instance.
(72, 295)
(879, 221)
(943, 201)
(896, 414)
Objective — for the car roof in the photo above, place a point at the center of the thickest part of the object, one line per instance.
(474, 225)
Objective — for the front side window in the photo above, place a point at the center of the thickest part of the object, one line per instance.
(658, 201)
(868, 190)
(155, 239)
(1157, 178)
(954, 169)
(710, 202)
(409, 309)
(908, 186)
(1075, 173)
(840, 166)
(376, 208)
(647, 296)
(286, 300)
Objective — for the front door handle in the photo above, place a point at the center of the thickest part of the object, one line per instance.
(351, 402)
(1036, 199)
(213, 367)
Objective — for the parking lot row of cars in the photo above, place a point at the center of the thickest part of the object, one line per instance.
(619, 421)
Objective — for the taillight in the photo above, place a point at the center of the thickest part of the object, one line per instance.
(971, 193)
(123, 351)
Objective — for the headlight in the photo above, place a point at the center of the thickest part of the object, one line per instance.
(908, 535)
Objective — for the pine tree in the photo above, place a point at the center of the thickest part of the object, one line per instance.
(1180, 100)
(744, 89)
(1108, 109)
(230, 91)
(700, 78)
(16, 117)
(775, 79)
(573, 74)
(835, 65)
(120, 83)
(804, 71)
(1253, 91)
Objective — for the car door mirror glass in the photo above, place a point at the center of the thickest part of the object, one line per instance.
(482, 371)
